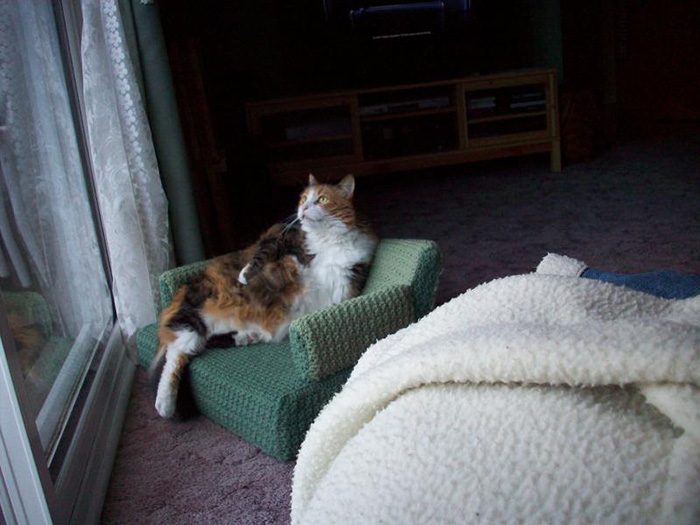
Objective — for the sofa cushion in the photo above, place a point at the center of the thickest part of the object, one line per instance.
(254, 391)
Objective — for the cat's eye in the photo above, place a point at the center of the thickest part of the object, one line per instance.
(303, 199)
(322, 199)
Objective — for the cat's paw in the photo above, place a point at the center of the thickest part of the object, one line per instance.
(241, 276)
(247, 338)
(165, 406)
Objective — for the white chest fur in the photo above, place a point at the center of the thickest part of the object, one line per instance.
(328, 278)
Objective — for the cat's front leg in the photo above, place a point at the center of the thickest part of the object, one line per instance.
(242, 275)
(251, 337)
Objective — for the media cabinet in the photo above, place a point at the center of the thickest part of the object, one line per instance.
(405, 127)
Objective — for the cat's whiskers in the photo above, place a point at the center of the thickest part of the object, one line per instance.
(289, 226)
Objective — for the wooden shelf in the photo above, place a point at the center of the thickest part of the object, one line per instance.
(303, 165)
(497, 118)
(407, 114)
(315, 140)
(419, 141)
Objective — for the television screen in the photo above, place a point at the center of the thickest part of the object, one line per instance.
(385, 19)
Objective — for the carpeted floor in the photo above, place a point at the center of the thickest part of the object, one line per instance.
(635, 208)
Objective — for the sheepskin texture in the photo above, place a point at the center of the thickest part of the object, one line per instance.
(539, 398)
(555, 264)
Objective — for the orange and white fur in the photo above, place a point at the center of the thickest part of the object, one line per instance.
(337, 250)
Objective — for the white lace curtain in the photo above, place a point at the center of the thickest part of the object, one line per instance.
(48, 235)
(49, 242)
(131, 197)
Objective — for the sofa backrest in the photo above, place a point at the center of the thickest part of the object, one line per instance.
(171, 280)
(416, 263)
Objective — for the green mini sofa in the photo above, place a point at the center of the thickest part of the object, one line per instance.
(269, 394)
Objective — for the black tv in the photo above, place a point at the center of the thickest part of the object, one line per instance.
(390, 19)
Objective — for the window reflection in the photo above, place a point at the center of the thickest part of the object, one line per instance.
(52, 278)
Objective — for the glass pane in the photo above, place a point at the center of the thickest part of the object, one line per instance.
(307, 125)
(398, 137)
(396, 102)
(509, 101)
(52, 278)
(512, 126)
(311, 150)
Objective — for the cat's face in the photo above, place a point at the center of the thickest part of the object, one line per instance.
(321, 204)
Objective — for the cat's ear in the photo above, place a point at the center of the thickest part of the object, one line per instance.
(347, 186)
(312, 180)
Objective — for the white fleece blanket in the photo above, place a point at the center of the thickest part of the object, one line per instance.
(540, 398)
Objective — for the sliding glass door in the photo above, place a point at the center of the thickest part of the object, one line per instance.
(57, 318)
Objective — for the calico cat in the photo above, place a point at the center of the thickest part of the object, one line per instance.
(319, 259)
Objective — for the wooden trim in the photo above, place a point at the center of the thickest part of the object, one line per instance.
(493, 83)
(509, 139)
(292, 177)
(517, 77)
(356, 128)
(462, 126)
(555, 157)
(511, 116)
(553, 105)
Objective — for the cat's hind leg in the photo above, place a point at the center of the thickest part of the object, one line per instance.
(185, 343)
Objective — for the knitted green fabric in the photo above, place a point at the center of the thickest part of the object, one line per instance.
(254, 391)
(171, 280)
(416, 263)
(31, 308)
(334, 338)
(269, 394)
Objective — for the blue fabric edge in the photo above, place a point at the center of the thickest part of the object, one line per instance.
(667, 284)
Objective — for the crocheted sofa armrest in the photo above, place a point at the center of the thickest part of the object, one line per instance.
(171, 280)
(334, 338)
(414, 262)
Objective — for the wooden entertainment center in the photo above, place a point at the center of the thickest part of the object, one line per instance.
(405, 127)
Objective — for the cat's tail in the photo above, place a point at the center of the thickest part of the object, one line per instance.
(156, 368)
